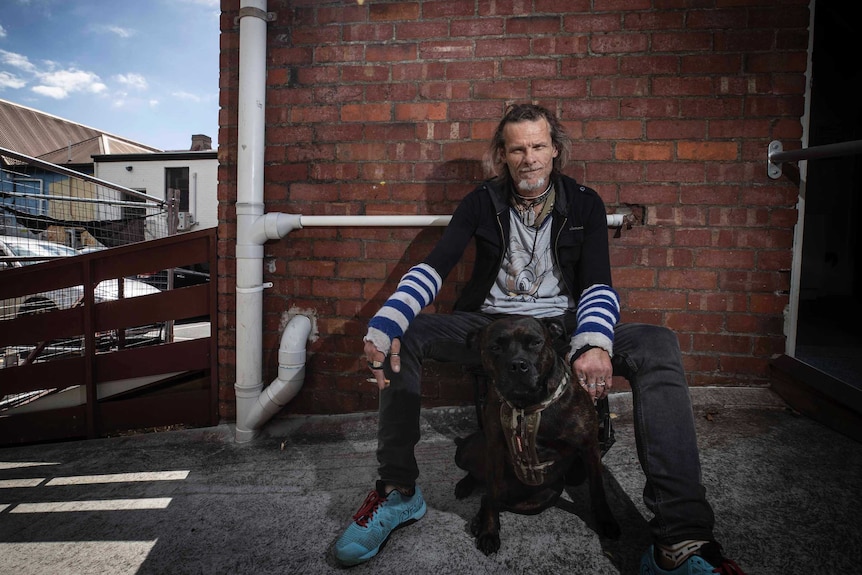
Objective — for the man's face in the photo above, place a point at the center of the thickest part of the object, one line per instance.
(529, 154)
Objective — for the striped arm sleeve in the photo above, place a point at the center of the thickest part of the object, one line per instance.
(417, 289)
(598, 313)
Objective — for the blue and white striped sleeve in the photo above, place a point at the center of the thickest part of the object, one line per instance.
(598, 314)
(417, 289)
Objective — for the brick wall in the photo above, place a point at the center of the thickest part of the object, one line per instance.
(385, 107)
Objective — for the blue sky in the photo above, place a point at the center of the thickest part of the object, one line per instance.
(142, 69)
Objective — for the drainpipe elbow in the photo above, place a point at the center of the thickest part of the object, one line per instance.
(274, 226)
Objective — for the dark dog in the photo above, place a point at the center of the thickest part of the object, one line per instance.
(539, 429)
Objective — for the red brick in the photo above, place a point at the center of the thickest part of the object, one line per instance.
(510, 90)
(366, 113)
(363, 33)
(580, 66)
(446, 50)
(470, 70)
(391, 52)
(634, 277)
(592, 23)
(682, 42)
(365, 73)
(657, 299)
(421, 112)
(614, 130)
(688, 279)
(707, 151)
(533, 25)
(619, 43)
(421, 30)
(653, 20)
(694, 322)
(340, 14)
(446, 9)
(722, 343)
(676, 129)
(643, 151)
(477, 27)
(509, 48)
(562, 45)
(395, 11)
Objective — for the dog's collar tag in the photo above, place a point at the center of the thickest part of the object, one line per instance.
(520, 427)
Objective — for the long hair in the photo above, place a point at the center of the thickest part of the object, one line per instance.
(495, 165)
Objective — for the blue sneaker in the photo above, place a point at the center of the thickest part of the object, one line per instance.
(376, 519)
(706, 561)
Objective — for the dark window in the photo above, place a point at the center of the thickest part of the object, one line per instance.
(178, 179)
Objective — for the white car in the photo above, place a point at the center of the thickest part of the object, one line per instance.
(35, 250)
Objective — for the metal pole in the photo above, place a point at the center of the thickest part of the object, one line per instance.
(777, 156)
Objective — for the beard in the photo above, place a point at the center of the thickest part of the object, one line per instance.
(526, 186)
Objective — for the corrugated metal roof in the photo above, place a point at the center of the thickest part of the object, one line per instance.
(56, 140)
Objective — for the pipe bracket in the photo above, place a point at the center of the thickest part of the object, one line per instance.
(255, 13)
(254, 289)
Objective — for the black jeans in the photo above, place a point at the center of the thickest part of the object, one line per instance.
(648, 356)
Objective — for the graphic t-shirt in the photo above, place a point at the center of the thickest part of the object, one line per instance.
(528, 283)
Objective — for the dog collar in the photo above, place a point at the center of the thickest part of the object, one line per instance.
(520, 427)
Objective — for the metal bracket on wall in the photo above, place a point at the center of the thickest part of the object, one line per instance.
(256, 13)
(777, 156)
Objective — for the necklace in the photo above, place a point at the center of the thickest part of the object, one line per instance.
(525, 206)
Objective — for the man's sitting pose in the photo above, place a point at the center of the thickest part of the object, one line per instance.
(541, 250)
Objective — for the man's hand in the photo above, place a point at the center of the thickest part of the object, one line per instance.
(594, 372)
(377, 358)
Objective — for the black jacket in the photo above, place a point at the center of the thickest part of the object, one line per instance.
(579, 234)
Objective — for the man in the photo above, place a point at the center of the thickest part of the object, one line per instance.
(541, 250)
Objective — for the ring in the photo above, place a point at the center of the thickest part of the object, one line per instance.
(592, 385)
(374, 364)
(582, 379)
(602, 384)
(394, 355)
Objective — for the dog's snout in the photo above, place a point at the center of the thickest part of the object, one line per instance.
(519, 365)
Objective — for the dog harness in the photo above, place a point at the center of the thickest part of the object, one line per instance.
(520, 428)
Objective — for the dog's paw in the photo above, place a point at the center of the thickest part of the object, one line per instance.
(465, 487)
(488, 543)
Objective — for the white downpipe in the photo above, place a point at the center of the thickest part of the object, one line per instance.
(249, 207)
(291, 374)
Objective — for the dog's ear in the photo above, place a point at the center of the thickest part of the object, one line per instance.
(555, 328)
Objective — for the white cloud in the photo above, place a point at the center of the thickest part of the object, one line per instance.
(153, 103)
(2, 31)
(17, 61)
(60, 84)
(8, 80)
(186, 96)
(116, 30)
(51, 92)
(132, 80)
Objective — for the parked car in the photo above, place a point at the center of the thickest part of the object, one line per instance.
(22, 251)
(182, 276)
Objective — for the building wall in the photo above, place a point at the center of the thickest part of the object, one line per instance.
(149, 175)
(386, 107)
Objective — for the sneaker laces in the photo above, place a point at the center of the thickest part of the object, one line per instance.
(368, 508)
(728, 567)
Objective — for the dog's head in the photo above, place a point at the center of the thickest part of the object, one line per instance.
(518, 355)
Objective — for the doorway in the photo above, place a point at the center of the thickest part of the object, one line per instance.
(828, 335)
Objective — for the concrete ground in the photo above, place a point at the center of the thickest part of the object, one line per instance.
(786, 493)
